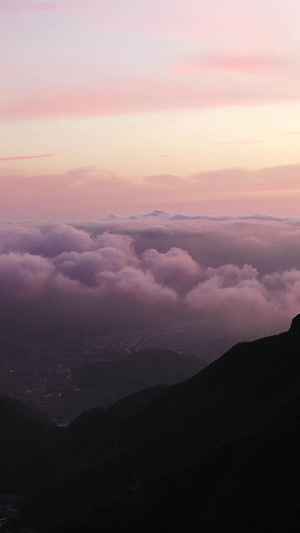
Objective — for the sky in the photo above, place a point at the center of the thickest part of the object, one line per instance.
(185, 110)
(129, 106)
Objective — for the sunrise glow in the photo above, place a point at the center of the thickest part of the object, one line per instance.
(125, 107)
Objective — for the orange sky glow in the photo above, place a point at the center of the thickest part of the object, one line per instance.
(117, 107)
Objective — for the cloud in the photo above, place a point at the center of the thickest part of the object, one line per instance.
(22, 157)
(233, 276)
(23, 275)
(237, 142)
(46, 240)
(110, 253)
(241, 64)
(175, 268)
(234, 291)
(139, 95)
(91, 289)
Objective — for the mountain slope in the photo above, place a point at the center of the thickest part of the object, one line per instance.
(250, 484)
(231, 404)
(146, 368)
(23, 430)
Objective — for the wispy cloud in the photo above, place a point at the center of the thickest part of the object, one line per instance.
(237, 142)
(22, 157)
(138, 95)
(243, 64)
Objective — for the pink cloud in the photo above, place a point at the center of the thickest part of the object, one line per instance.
(175, 268)
(47, 240)
(244, 64)
(23, 274)
(22, 157)
(137, 95)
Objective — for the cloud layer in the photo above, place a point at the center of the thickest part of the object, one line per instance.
(237, 275)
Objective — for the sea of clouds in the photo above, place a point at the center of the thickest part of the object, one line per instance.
(236, 274)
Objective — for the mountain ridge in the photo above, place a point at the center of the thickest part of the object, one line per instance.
(232, 403)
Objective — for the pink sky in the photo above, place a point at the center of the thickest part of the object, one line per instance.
(98, 96)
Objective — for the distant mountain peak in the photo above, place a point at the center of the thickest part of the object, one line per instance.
(157, 213)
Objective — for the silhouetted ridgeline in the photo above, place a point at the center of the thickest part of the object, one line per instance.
(136, 371)
(216, 453)
(22, 430)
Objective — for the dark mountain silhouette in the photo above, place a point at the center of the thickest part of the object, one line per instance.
(136, 371)
(23, 430)
(216, 453)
